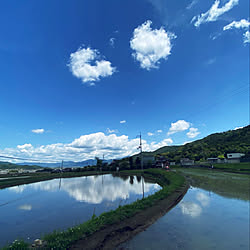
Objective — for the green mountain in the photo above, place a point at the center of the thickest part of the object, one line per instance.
(8, 165)
(214, 145)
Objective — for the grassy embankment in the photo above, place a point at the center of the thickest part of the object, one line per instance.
(169, 182)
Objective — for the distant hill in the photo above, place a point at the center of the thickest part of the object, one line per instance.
(214, 145)
(66, 164)
(8, 165)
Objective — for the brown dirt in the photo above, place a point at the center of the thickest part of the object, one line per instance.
(113, 235)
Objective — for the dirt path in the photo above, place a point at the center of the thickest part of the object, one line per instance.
(113, 235)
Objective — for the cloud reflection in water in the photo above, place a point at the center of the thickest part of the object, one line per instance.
(93, 189)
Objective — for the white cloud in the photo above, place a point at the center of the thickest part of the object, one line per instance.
(87, 65)
(111, 131)
(159, 131)
(242, 24)
(38, 131)
(214, 12)
(151, 46)
(178, 126)
(238, 128)
(150, 134)
(85, 147)
(112, 41)
(193, 132)
(123, 121)
(246, 37)
(26, 207)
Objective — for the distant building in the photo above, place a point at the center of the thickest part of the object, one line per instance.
(234, 157)
(186, 162)
(216, 160)
(161, 162)
(172, 163)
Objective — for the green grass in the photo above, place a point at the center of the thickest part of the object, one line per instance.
(168, 180)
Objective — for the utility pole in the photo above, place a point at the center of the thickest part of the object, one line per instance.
(140, 147)
(141, 152)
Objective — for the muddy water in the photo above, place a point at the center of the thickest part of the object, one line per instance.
(214, 214)
(28, 211)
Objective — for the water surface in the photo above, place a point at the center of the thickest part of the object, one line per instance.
(212, 215)
(27, 211)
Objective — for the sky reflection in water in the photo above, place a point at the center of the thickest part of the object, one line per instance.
(30, 210)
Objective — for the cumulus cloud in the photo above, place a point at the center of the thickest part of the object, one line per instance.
(242, 24)
(85, 147)
(38, 131)
(214, 12)
(150, 134)
(178, 126)
(123, 121)
(193, 132)
(87, 65)
(159, 131)
(150, 46)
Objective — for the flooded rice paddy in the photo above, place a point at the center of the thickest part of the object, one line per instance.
(214, 214)
(29, 211)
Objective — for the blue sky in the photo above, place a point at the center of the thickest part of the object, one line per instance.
(71, 71)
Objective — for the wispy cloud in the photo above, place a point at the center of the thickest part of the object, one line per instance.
(112, 131)
(151, 46)
(211, 61)
(214, 12)
(38, 131)
(112, 42)
(88, 65)
(192, 4)
(193, 132)
(242, 24)
(159, 131)
(123, 121)
(178, 126)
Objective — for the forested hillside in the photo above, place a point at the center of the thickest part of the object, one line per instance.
(214, 145)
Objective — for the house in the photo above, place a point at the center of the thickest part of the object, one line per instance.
(172, 163)
(161, 162)
(234, 157)
(216, 160)
(186, 162)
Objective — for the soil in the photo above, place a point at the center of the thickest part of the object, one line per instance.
(113, 235)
